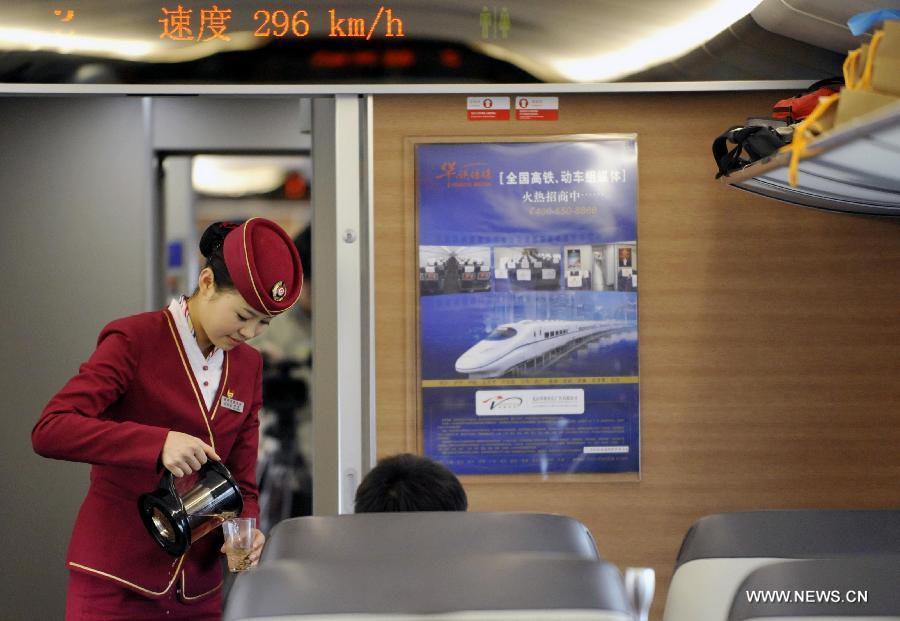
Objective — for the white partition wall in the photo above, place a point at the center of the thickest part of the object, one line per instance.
(74, 247)
(341, 307)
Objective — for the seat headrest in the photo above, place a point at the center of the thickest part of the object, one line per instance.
(430, 534)
(792, 534)
(852, 587)
(506, 582)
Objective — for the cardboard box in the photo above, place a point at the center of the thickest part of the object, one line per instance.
(853, 104)
(886, 68)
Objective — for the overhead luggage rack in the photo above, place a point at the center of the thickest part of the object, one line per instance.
(854, 168)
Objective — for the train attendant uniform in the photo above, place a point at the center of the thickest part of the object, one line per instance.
(148, 377)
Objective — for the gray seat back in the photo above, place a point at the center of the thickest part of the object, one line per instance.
(720, 550)
(792, 534)
(852, 588)
(426, 534)
(504, 586)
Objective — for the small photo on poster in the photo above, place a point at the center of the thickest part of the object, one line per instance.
(578, 268)
(527, 268)
(615, 267)
(454, 269)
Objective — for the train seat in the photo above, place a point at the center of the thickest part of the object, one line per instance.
(841, 589)
(720, 550)
(499, 587)
(431, 534)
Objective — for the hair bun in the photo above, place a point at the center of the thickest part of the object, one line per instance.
(214, 236)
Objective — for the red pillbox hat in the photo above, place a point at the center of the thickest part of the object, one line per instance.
(264, 265)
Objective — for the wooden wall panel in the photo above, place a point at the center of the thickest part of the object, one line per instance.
(769, 334)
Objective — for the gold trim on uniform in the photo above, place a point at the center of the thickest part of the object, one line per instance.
(191, 379)
(250, 271)
(132, 584)
(220, 391)
(193, 597)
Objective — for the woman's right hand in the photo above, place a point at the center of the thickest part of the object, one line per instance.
(183, 453)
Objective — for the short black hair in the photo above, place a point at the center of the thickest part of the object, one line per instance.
(409, 482)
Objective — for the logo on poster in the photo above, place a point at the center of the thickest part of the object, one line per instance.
(468, 175)
(529, 401)
(501, 402)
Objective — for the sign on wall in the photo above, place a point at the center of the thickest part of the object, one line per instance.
(528, 279)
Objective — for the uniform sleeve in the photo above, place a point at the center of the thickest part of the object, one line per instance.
(241, 462)
(74, 425)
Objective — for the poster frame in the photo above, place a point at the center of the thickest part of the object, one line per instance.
(415, 426)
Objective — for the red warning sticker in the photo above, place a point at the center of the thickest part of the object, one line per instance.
(488, 108)
(537, 108)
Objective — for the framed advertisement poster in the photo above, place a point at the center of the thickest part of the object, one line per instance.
(528, 332)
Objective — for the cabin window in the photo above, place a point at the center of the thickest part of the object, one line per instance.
(501, 334)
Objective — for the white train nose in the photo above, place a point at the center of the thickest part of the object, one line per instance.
(476, 357)
(467, 363)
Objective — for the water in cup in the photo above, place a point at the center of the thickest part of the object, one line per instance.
(238, 542)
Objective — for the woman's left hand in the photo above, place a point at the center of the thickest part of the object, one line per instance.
(259, 540)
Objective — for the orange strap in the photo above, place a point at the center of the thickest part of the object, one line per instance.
(851, 68)
(866, 81)
(808, 128)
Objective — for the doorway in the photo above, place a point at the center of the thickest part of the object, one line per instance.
(197, 189)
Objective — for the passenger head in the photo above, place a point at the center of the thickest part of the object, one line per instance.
(410, 483)
(252, 274)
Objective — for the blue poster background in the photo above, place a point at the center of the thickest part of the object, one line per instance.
(523, 205)
(458, 210)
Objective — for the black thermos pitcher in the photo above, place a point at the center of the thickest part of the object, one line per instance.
(181, 510)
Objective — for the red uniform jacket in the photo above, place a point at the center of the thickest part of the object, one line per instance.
(115, 414)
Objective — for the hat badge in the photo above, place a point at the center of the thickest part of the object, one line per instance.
(279, 291)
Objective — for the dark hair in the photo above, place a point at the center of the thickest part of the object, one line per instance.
(409, 482)
(211, 243)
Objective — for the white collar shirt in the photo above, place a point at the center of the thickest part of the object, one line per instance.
(207, 370)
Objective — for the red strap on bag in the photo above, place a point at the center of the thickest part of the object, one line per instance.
(798, 107)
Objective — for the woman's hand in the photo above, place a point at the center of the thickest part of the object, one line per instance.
(259, 540)
(183, 453)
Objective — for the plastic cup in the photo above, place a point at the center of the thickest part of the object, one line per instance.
(238, 542)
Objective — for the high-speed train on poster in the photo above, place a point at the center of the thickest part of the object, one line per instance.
(512, 348)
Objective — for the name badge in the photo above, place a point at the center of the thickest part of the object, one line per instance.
(232, 404)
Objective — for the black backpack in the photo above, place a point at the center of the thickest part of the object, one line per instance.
(751, 142)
